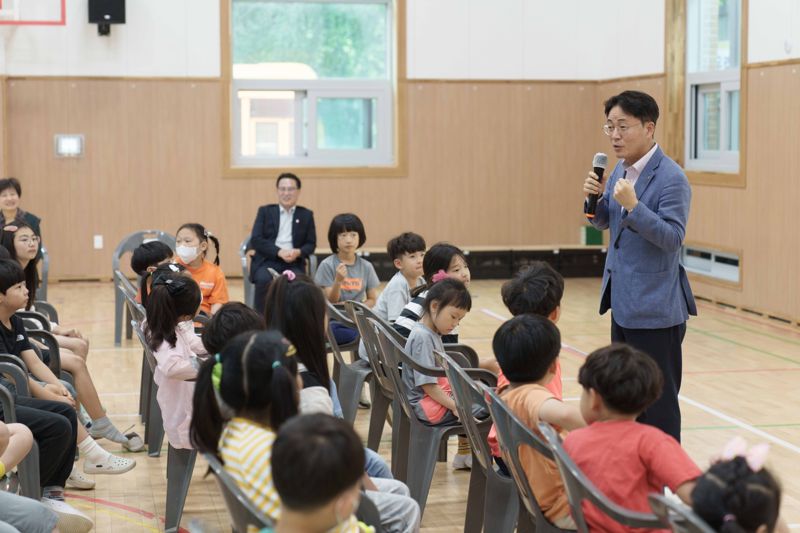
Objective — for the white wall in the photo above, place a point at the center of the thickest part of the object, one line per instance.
(170, 38)
(534, 39)
(447, 39)
(773, 30)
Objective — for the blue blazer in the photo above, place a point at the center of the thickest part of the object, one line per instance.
(644, 284)
(265, 231)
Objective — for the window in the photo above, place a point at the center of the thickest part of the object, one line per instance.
(712, 85)
(721, 265)
(312, 83)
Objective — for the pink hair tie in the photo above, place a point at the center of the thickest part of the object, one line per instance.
(10, 227)
(290, 275)
(439, 276)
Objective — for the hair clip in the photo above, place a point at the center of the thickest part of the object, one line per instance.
(729, 518)
(276, 364)
(291, 351)
(216, 373)
(290, 275)
(10, 227)
(439, 276)
(174, 286)
(756, 456)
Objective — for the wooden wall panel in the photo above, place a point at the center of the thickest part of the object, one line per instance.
(489, 164)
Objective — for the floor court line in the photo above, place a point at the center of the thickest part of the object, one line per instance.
(741, 344)
(120, 506)
(737, 314)
(755, 331)
(710, 410)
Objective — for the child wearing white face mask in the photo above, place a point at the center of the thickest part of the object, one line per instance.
(191, 246)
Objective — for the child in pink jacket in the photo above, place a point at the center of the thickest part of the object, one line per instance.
(173, 303)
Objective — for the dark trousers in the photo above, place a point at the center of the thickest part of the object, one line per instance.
(664, 346)
(54, 426)
(262, 278)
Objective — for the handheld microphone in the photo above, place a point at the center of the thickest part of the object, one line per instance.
(599, 164)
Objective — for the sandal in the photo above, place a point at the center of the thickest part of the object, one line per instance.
(112, 465)
(77, 480)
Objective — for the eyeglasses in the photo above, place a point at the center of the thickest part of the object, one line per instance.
(287, 189)
(608, 129)
(29, 240)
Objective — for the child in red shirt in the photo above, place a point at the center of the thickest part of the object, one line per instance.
(625, 460)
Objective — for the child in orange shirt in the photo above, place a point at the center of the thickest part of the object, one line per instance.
(191, 246)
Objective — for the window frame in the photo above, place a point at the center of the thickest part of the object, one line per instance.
(698, 83)
(388, 159)
(676, 114)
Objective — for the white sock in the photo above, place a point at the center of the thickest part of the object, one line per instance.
(92, 451)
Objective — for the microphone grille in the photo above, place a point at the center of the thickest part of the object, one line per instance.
(600, 160)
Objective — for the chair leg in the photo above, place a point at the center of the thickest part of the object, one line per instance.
(400, 442)
(28, 469)
(155, 426)
(473, 521)
(128, 325)
(423, 449)
(118, 305)
(377, 419)
(336, 374)
(180, 465)
(144, 389)
(349, 387)
(501, 505)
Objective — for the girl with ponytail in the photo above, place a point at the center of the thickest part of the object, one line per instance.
(738, 494)
(169, 331)
(191, 246)
(255, 377)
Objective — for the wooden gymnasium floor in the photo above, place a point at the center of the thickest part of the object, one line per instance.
(740, 378)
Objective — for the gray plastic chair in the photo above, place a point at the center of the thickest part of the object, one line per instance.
(126, 245)
(492, 501)
(249, 288)
(676, 516)
(137, 314)
(41, 292)
(28, 468)
(242, 511)
(511, 434)
(580, 489)
(381, 386)
(418, 447)
(349, 379)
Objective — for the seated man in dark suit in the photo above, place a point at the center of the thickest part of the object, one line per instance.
(283, 237)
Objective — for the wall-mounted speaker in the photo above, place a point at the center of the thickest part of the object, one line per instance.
(106, 12)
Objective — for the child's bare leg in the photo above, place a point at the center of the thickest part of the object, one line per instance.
(18, 440)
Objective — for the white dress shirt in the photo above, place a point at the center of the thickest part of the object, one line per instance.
(284, 238)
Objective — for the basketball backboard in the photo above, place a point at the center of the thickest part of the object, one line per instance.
(33, 12)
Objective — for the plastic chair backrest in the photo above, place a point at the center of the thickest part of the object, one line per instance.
(130, 242)
(511, 434)
(467, 395)
(47, 310)
(371, 346)
(41, 292)
(580, 488)
(244, 257)
(677, 516)
(125, 285)
(148, 353)
(135, 309)
(242, 510)
(369, 313)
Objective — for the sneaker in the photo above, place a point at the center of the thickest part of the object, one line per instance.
(70, 520)
(462, 461)
(77, 480)
(112, 465)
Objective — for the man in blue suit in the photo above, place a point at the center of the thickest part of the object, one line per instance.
(645, 206)
(283, 237)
